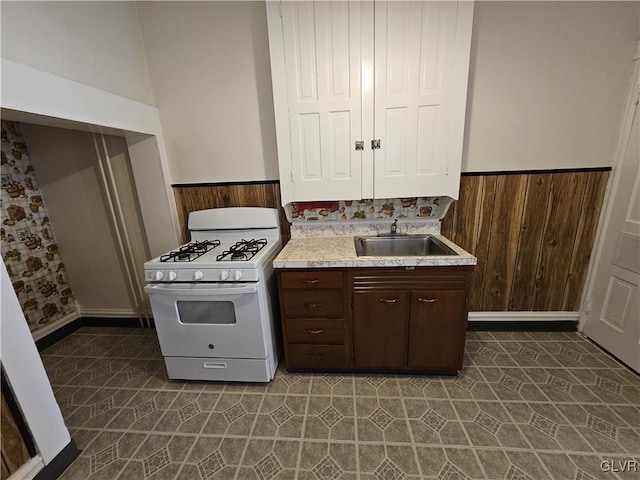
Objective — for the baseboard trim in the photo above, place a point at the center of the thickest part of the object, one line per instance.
(106, 313)
(523, 321)
(126, 322)
(59, 464)
(56, 335)
(29, 470)
(53, 327)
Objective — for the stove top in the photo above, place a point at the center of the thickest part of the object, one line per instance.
(190, 251)
(242, 251)
(240, 247)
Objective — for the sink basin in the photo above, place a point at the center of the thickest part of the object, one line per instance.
(401, 246)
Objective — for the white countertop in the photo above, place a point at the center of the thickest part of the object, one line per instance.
(340, 251)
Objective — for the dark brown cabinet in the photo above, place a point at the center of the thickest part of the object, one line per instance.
(315, 312)
(375, 319)
(380, 327)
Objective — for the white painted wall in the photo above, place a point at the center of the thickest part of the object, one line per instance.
(209, 66)
(94, 43)
(42, 95)
(548, 83)
(67, 171)
(546, 88)
(27, 377)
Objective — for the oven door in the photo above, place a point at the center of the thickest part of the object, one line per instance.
(208, 320)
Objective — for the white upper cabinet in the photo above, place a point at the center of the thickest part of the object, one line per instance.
(341, 78)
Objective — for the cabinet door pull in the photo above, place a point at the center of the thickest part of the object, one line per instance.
(312, 282)
(389, 300)
(316, 356)
(312, 306)
(428, 300)
(315, 332)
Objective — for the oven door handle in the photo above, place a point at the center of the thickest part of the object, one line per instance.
(210, 292)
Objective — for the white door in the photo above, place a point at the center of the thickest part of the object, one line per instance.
(421, 70)
(322, 56)
(613, 315)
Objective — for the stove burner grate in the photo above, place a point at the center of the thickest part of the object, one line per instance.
(243, 250)
(190, 251)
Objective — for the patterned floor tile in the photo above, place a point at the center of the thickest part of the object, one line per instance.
(381, 420)
(376, 385)
(512, 384)
(546, 428)
(489, 424)
(328, 461)
(449, 463)
(143, 411)
(105, 457)
(188, 413)
(390, 462)
(281, 416)
(332, 384)
(214, 458)
(233, 414)
(527, 405)
(434, 422)
(270, 459)
(159, 457)
(100, 409)
(330, 418)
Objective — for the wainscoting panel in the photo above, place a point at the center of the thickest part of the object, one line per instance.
(532, 233)
(254, 194)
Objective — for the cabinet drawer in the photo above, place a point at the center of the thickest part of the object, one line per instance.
(323, 330)
(311, 279)
(316, 356)
(327, 303)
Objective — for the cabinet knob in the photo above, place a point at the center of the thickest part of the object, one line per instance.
(428, 300)
(315, 332)
(389, 300)
(312, 282)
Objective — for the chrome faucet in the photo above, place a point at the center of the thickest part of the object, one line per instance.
(394, 227)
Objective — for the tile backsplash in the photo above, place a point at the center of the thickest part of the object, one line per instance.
(431, 208)
(368, 216)
(28, 245)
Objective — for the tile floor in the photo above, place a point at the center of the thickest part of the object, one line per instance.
(526, 406)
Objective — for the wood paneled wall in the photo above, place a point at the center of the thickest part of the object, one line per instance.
(199, 197)
(532, 233)
(15, 452)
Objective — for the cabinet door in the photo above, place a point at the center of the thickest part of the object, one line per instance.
(421, 69)
(437, 328)
(380, 320)
(316, 69)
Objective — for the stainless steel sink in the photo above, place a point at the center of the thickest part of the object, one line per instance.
(401, 246)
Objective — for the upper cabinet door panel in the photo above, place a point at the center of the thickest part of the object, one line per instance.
(322, 57)
(415, 59)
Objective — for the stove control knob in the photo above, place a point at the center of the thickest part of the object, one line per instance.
(224, 275)
(172, 276)
(198, 275)
(237, 275)
(157, 276)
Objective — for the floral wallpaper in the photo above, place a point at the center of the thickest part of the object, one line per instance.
(28, 245)
(433, 208)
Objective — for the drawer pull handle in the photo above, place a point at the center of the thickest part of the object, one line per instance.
(312, 306)
(312, 282)
(316, 356)
(428, 300)
(389, 300)
(315, 332)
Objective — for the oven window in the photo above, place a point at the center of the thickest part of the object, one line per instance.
(209, 312)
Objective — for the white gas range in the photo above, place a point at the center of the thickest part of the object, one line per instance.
(214, 300)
